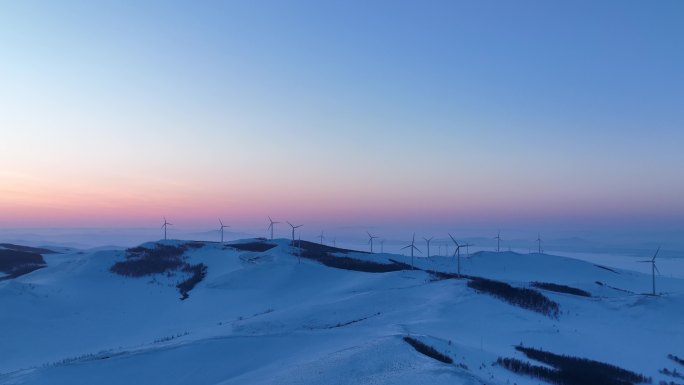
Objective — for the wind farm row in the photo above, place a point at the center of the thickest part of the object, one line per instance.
(410, 248)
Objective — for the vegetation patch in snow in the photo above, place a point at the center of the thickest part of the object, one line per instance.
(676, 359)
(525, 298)
(428, 350)
(258, 247)
(561, 288)
(323, 255)
(15, 263)
(143, 261)
(568, 370)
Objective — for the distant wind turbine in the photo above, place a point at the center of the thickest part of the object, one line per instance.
(498, 241)
(413, 247)
(457, 253)
(370, 240)
(166, 223)
(427, 240)
(382, 246)
(654, 268)
(271, 226)
(539, 241)
(321, 237)
(293, 229)
(221, 229)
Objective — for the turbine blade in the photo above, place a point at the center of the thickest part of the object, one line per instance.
(656, 253)
(452, 238)
(406, 247)
(656, 269)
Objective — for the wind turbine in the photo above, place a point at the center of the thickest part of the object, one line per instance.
(654, 268)
(321, 237)
(293, 229)
(271, 226)
(221, 229)
(382, 246)
(498, 240)
(427, 240)
(370, 240)
(457, 252)
(539, 241)
(335, 242)
(412, 246)
(166, 223)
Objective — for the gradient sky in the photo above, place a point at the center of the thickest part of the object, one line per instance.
(534, 114)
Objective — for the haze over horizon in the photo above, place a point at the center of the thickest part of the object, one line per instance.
(405, 115)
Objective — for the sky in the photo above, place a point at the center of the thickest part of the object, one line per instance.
(531, 115)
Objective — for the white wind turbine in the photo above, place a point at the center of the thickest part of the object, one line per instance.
(654, 268)
(370, 240)
(413, 247)
(221, 229)
(166, 223)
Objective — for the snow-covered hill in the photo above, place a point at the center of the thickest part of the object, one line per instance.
(273, 317)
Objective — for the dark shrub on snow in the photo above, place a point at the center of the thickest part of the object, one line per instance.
(143, 261)
(253, 246)
(198, 272)
(561, 288)
(568, 370)
(322, 254)
(428, 350)
(15, 263)
(525, 298)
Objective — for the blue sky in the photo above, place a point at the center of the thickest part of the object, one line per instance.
(483, 113)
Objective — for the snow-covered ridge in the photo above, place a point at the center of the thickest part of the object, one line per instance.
(280, 315)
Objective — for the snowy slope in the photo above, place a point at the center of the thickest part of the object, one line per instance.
(271, 317)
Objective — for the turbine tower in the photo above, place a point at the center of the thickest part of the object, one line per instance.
(166, 223)
(427, 240)
(654, 268)
(271, 226)
(370, 240)
(413, 247)
(457, 253)
(221, 229)
(382, 246)
(321, 237)
(293, 229)
(498, 240)
(539, 241)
